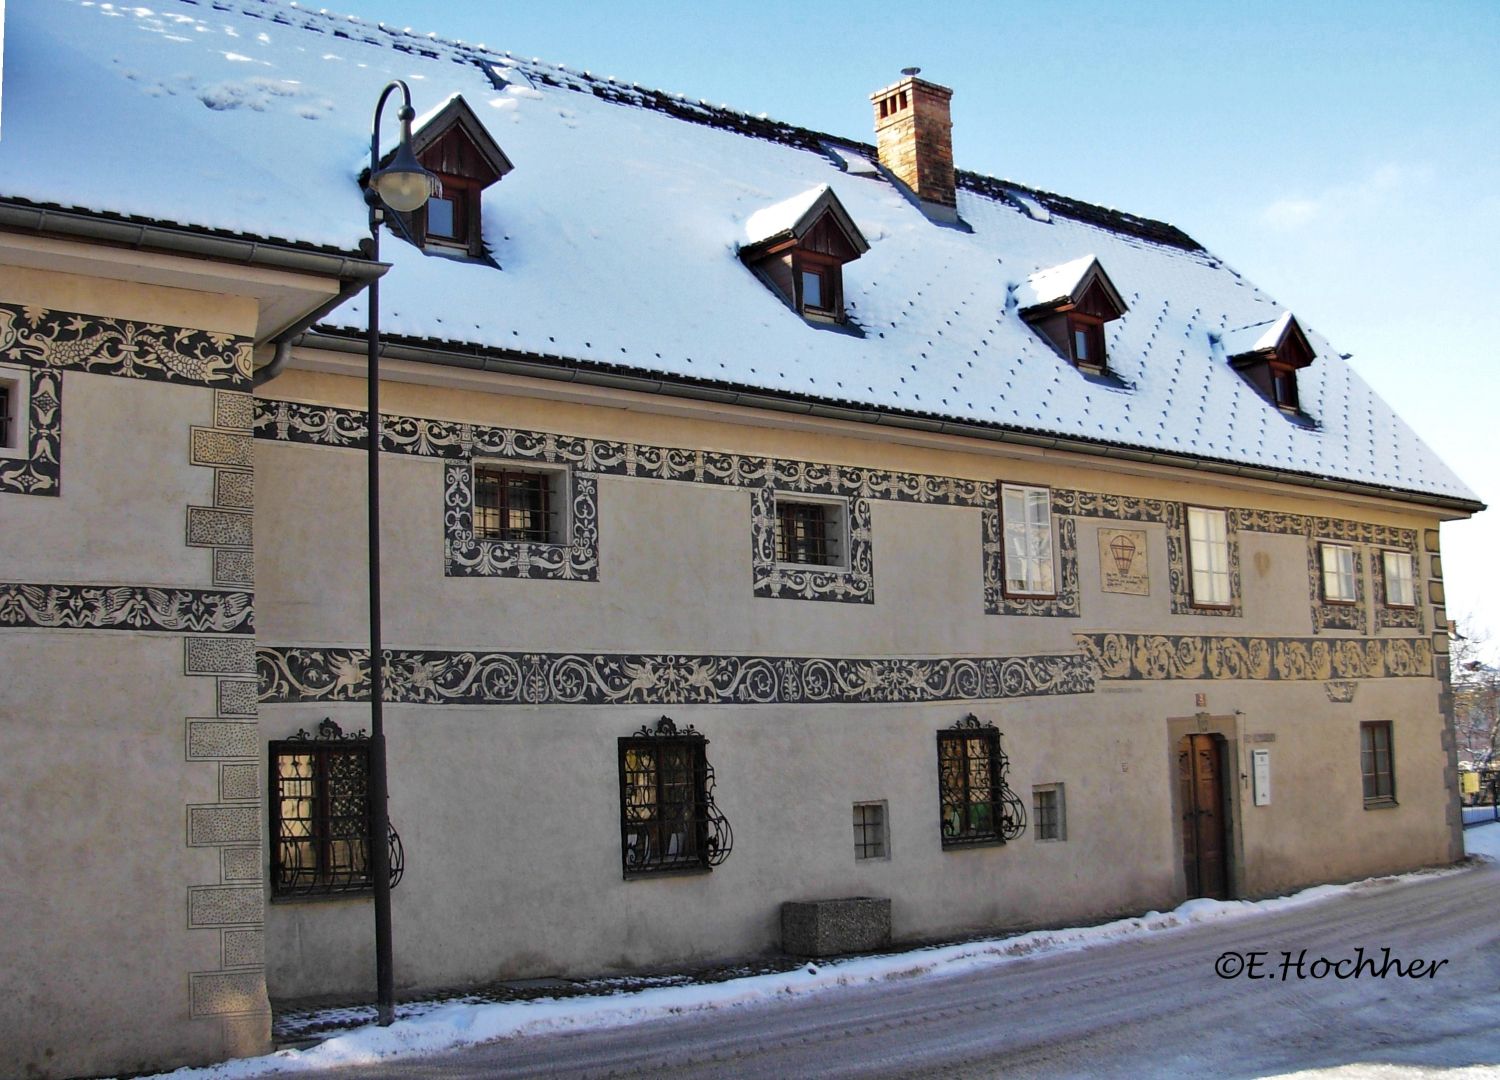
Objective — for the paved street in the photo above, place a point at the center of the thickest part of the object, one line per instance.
(1146, 1005)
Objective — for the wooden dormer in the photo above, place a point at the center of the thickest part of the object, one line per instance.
(454, 145)
(1268, 356)
(799, 246)
(1069, 305)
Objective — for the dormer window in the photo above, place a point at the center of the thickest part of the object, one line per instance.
(798, 248)
(1068, 306)
(451, 143)
(1268, 356)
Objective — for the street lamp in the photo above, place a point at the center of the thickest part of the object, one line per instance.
(403, 186)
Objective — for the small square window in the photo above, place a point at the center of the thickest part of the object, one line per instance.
(525, 505)
(1400, 583)
(1208, 555)
(870, 831)
(810, 533)
(1048, 813)
(1377, 763)
(1026, 513)
(1338, 574)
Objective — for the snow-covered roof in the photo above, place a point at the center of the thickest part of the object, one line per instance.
(1054, 283)
(1257, 336)
(253, 116)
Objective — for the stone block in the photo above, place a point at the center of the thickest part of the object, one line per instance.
(831, 927)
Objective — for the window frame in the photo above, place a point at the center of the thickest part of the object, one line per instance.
(1325, 549)
(1092, 329)
(466, 194)
(710, 836)
(951, 799)
(1409, 577)
(1284, 375)
(831, 275)
(15, 441)
(862, 831)
(836, 526)
(1370, 753)
(325, 878)
(1059, 813)
(1210, 573)
(556, 507)
(1031, 557)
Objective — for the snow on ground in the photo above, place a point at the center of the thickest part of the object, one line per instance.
(454, 1026)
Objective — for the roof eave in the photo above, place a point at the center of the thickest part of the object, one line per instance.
(569, 369)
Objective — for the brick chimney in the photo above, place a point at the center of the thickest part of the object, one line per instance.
(914, 132)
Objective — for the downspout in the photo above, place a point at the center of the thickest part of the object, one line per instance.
(283, 339)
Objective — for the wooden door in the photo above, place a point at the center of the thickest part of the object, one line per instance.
(1200, 777)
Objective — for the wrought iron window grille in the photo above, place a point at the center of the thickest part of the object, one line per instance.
(807, 533)
(668, 819)
(517, 505)
(320, 814)
(976, 804)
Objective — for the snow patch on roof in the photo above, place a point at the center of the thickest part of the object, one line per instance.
(1054, 283)
(1258, 336)
(781, 217)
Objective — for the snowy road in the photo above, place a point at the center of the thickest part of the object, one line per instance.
(1146, 1005)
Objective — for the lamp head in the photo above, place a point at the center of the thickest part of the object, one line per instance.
(404, 185)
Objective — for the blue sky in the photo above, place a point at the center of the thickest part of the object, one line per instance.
(1345, 156)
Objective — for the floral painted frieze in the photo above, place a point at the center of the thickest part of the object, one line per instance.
(64, 340)
(854, 583)
(466, 555)
(1172, 656)
(38, 471)
(495, 678)
(127, 607)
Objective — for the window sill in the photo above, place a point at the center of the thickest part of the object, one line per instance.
(1340, 603)
(1381, 804)
(324, 897)
(1009, 595)
(969, 845)
(1196, 606)
(667, 872)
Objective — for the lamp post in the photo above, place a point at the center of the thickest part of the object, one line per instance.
(403, 186)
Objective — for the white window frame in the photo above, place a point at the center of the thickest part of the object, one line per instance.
(1405, 581)
(559, 496)
(18, 379)
(1208, 556)
(1027, 542)
(1062, 813)
(837, 524)
(1339, 575)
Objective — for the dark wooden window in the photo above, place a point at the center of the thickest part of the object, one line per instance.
(1086, 341)
(816, 295)
(516, 505)
(8, 421)
(320, 817)
(664, 816)
(869, 830)
(1284, 387)
(1377, 763)
(969, 786)
(808, 533)
(447, 216)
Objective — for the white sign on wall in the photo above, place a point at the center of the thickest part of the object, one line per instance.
(1260, 775)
